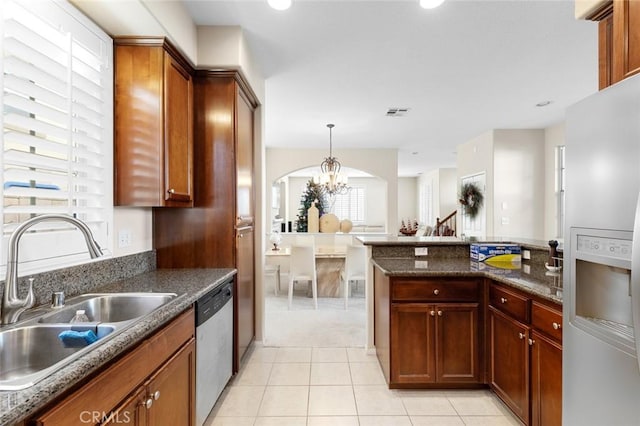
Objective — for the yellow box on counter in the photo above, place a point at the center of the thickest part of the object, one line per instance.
(493, 253)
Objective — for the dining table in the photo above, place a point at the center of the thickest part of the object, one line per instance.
(329, 265)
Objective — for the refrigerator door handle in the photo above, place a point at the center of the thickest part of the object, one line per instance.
(635, 280)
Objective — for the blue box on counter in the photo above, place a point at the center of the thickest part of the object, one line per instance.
(492, 252)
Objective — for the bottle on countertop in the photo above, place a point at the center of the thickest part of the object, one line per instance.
(80, 316)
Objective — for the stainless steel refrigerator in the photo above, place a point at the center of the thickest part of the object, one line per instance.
(601, 374)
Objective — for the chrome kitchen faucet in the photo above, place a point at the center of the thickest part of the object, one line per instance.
(12, 305)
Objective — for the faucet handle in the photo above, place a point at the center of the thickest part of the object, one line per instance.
(57, 299)
(30, 300)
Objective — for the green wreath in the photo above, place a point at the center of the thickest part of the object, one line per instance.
(471, 199)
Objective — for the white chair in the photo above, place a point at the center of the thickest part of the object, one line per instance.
(273, 270)
(355, 268)
(303, 268)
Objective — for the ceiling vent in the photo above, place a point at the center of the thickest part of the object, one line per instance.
(397, 112)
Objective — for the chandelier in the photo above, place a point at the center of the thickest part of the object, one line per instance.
(331, 181)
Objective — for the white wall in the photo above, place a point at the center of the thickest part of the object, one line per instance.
(474, 157)
(225, 47)
(553, 137)
(407, 201)
(447, 191)
(518, 181)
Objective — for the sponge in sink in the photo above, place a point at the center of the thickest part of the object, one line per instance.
(77, 339)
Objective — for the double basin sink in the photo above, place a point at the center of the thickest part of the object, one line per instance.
(31, 350)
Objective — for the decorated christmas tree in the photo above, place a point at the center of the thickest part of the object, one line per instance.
(312, 192)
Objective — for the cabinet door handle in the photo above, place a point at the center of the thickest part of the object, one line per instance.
(156, 395)
(521, 336)
(557, 326)
(171, 191)
(503, 299)
(439, 313)
(436, 292)
(432, 313)
(531, 342)
(148, 403)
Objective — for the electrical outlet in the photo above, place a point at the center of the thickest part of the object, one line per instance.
(124, 238)
(526, 269)
(526, 254)
(505, 220)
(421, 251)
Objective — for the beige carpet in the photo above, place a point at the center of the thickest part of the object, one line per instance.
(328, 326)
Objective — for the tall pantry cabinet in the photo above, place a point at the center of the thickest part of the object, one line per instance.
(218, 232)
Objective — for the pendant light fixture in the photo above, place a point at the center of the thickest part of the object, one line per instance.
(331, 181)
(280, 4)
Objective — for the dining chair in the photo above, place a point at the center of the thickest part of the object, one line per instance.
(355, 268)
(303, 268)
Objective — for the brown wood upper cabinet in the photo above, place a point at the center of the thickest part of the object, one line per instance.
(618, 39)
(153, 152)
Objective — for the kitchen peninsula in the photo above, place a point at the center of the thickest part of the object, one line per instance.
(442, 320)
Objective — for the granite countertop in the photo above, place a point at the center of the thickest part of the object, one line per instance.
(188, 284)
(549, 288)
(386, 240)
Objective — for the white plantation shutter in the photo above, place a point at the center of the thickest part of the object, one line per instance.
(351, 205)
(57, 80)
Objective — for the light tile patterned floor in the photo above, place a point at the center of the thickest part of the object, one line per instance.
(341, 386)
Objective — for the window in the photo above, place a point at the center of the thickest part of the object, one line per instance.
(560, 189)
(425, 204)
(57, 120)
(350, 205)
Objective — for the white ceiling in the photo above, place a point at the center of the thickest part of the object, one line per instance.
(462, 69)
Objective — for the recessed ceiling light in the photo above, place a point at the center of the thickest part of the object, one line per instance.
(280, 4)
(543, 103)
(430, 4)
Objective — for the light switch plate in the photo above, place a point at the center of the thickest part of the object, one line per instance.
(124, 238)
(526, 269)
(421, 264)
(421, 251)
(526, 254)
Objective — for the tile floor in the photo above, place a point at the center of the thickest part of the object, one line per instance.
(341, 386)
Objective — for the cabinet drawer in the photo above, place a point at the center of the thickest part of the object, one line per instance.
(509, 302)
(547, 320)
(435, 290)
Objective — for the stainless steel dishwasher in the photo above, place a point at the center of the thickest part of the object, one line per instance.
(214, 347)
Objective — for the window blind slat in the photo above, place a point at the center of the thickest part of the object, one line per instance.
(22, 52)
(16, 121)
(41, 111)
(50, 49)
(14, 66)
(27, 159)
(13, 139)
(19, 85)
(26, 175)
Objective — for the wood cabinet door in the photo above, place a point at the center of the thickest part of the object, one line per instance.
(244, 160)
(178, 127)
(413, 343)
(457, 343)
(245, 290)
(626, 39)
(131, 412)
(172, 389)
(509, 362)
(546, 381)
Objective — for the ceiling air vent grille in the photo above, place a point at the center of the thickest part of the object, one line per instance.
(397, 112)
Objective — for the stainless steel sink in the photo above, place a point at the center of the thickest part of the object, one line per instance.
(111, 308)
(30, 350)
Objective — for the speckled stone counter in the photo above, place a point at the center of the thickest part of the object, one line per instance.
(392, 240)
(188, 284)
(549, 288)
